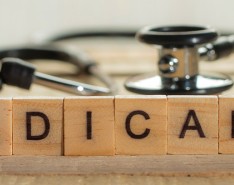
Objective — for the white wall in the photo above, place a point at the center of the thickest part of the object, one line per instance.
(20, 20)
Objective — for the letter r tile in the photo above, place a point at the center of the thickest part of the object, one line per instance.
(37, 126)
(141, 125)
(89, 126)
(192, 125)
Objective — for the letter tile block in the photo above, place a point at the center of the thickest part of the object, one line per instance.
(5, 126)
(226, 124)
(89, 126)
(192, 125)
(37, 126)
(141, 125)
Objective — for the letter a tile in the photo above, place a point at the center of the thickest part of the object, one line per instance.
(192, 125)
(141, 125)
(37, 126)
(89, 126)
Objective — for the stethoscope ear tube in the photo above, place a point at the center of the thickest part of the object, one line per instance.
(17, 72)
(50, 52)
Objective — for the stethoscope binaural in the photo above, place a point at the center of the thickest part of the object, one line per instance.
(180, 49)
(17, 72)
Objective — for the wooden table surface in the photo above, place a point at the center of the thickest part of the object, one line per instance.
(120, 58)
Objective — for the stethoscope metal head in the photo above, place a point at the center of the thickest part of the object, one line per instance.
(178, 64)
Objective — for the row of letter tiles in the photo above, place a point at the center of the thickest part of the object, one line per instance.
(120, 125)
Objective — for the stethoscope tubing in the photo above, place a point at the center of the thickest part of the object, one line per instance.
(212, 51)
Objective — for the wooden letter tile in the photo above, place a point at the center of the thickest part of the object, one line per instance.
(226, 124)
(192, 125)
(89, 126)
(141, 125)
(37, 126)
(5, 126)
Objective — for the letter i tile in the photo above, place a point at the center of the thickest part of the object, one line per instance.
(192, 125)
(89, 126)
(141, 125)
(37, 126)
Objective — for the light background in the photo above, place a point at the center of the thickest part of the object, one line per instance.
(22, 21)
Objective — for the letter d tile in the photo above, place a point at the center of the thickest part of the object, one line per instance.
(192, 124)
(37, 126)
(141, 125)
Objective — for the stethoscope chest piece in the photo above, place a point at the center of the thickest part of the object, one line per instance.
(178, 63)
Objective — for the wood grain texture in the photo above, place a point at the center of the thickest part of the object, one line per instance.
(98, 138)
(52, 143)
(120, 60)
(160, 165)
(206, 111)
(226, 142)
(5, 126)
(113, 179)
(140, 125)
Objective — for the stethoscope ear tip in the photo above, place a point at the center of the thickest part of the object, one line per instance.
(17, 72)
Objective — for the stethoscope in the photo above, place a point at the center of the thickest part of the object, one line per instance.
(180, 49)
(17, 72)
